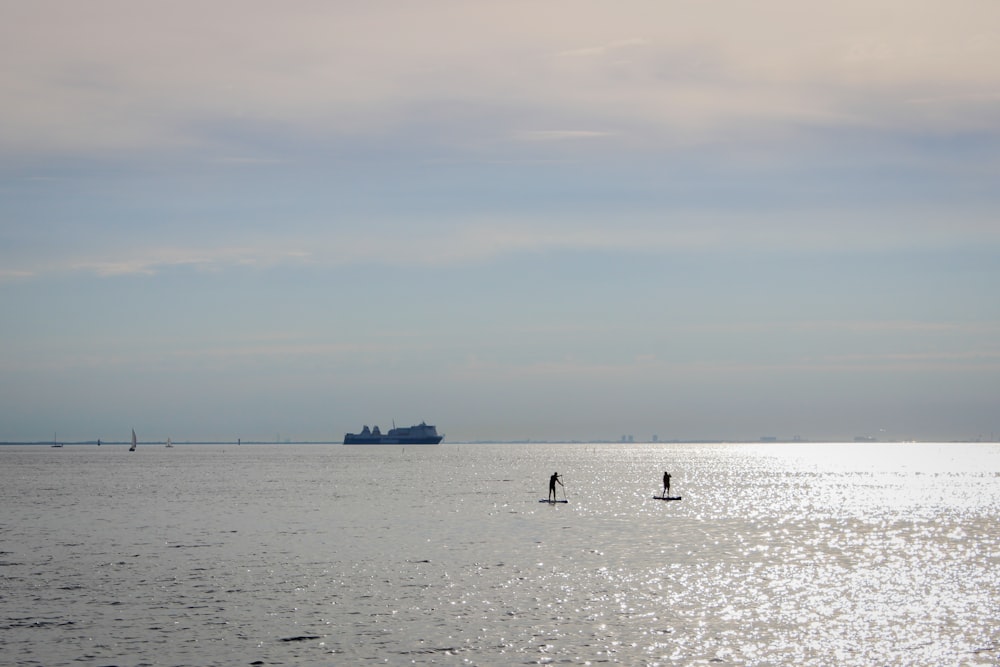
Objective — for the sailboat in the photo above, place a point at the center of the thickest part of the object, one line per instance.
(55, 441)
(132, 448)
(169, 444)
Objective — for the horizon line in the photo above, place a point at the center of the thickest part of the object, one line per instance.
(766, 440)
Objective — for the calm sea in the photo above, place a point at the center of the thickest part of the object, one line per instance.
(805, 554)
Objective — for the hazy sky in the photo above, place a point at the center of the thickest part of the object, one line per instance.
(562, 219)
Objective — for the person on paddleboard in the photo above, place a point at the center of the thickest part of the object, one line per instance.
(552, 485)
(666, 483)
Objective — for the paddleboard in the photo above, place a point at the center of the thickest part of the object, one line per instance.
(666, 497)
(552, 501)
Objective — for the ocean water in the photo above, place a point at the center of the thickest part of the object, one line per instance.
(804, 554)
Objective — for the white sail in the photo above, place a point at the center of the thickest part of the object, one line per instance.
(132, 448)
(169, 444)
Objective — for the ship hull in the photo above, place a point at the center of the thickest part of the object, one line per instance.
(349, 440)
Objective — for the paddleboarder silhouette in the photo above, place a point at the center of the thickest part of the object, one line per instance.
(666, 483)
(552, 485)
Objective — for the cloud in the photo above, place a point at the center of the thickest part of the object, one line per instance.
(650, 368)
(561, 135)
(153, 260)
(112, 76)
(15, 274)
(603, 49)
(464, 239)
(247, 160)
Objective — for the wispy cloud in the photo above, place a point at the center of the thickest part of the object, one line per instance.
(603, 49)
(984, 359)
(110, 77)
(648, 368)
(151, 261)
(561, 135)
(247, 160)
(450, 242)
(15, 274)
(181, 352)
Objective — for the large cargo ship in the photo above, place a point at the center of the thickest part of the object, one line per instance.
(421, 434)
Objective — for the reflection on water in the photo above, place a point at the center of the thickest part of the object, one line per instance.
(778, 554)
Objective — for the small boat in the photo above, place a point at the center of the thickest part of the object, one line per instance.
(132, 448)
(55, 443)
(169, 444)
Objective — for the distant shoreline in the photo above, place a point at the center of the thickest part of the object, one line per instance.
(93, 443)
(87, 443)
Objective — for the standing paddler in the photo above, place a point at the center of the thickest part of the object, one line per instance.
(552, 486)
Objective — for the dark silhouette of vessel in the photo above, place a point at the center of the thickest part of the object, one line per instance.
(421, 434)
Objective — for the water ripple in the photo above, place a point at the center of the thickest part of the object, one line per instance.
(777, 555)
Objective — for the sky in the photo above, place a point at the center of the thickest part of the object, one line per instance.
(549, 220)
